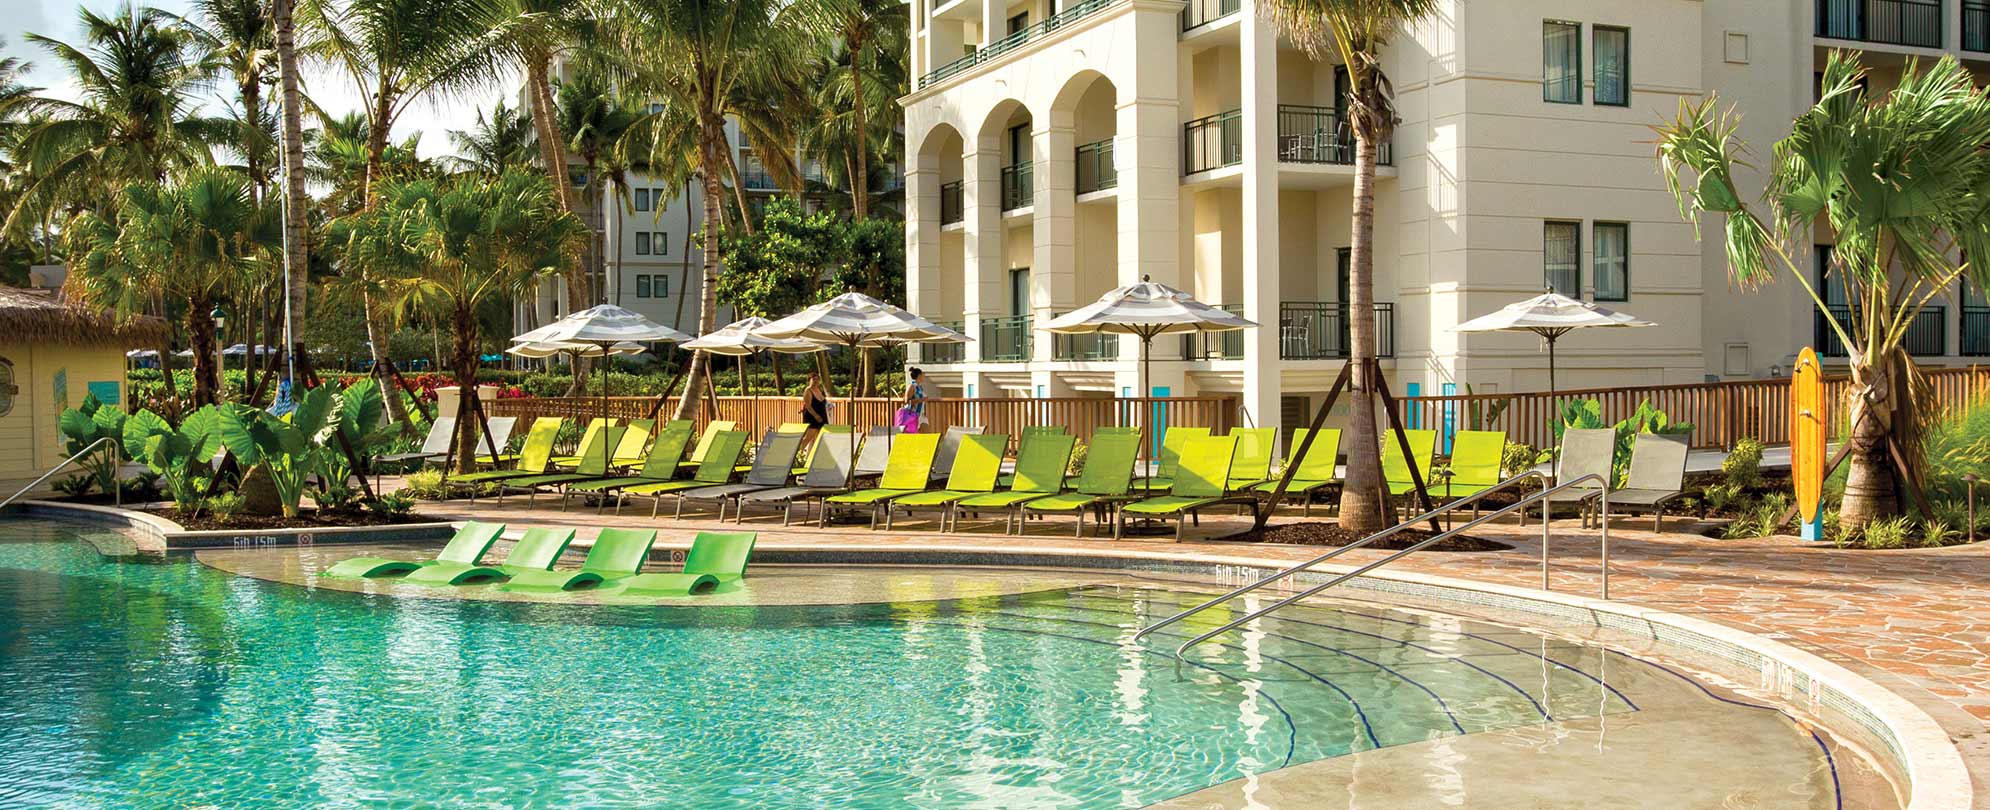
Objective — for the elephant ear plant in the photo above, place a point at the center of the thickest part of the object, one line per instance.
(178, 455)
(87, 424)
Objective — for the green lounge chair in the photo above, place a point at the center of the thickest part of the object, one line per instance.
(1172, 442)
(1040, 465)
(617, 554)
(536, 551)
(943, 456)
(468, 547)
(712, 431)
(1657, 475)
(717, 560)
(1251, 465)
(594, 427)
(1318, 469)
(828, 473)
(1031, 435)
(532, 458)
(658, 466)
(906, 471)
(594, 465)
(1199, 483)
(773, 462)
(977, 462)
(720, 458)
(1396, 469)
(1107, 476)
(1474, 467)
(636, 437)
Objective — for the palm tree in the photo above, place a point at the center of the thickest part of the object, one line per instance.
(594, 118)
(538, 32)
(336, 156)
(296, 234)
(398, 52)
(446, 248)
(497, 144)
(870, 44)
(1354, 32)
(239, 39)
(1898, 181)
(693, 56)
(195, 241)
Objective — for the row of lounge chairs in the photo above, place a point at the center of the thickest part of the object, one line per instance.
(717, 561)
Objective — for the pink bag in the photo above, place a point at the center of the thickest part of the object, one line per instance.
(906, 420)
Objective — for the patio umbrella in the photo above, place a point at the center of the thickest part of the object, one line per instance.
(737, 339)
(1550, 315)
(539, 351)
(605, 326)
(857, 320)
(1146, 310)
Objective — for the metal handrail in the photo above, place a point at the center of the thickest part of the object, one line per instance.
(1182, 651)
(118, 491)
(1430, 515)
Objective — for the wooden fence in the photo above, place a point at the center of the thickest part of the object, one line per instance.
(1721, 413)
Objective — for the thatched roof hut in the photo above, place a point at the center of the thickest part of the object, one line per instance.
(33, 316)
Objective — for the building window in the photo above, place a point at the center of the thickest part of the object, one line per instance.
(642, 243)
(660, 243)
(1018, 23)
(1561, 62)
(1612, 268)
(1613, 65)
(1562, 258)
(642, 286)
(642, 199)
(659, 286)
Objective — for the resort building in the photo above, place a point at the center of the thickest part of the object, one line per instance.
(1056, 151)
(55, 356)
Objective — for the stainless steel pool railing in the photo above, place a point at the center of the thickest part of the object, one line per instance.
(117, 491)
(1542, 496)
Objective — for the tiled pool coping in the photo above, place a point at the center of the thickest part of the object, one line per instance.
(1909, 742)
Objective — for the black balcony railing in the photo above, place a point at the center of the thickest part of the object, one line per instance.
(1215, 345)
(1927, 334)
(1976, 26)
(951, 210)
(1213, 141)
(1095, 169)
(1018, 186)
(1891, 22)
(1203, 12)
(1318, 330)
(1093, 346)
(1975, 332)
(1318, 135)
(942, 352)
(1005, 340)
(994, 50)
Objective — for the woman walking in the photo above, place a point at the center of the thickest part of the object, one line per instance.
(912, 415)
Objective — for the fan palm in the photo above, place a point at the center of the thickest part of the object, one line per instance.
(1353, 33)
(593, 117)
(495, 145)
(870, 47)
(1898, 180)
(239, 39)
(446, 248)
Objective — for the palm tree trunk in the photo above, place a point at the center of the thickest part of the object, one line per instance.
(297, 239)
(1361, 506)
(553, 153)
(712, 149)
(200, 333)
(860, 195)
(463, 363)
(376, 165)
(1870, 489)
(738, 192)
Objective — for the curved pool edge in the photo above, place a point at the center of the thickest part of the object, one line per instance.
(1913, 745)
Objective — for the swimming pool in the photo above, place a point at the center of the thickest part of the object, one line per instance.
(153, 684)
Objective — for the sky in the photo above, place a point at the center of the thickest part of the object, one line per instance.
(57, 19)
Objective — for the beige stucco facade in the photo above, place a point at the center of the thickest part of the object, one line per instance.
(1232, 184)
(44, 378)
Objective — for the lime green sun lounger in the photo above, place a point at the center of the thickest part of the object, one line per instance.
(977, 461)
(659, 465)
(1251, 465)
(593, 465)
(594, 427)
(724, 453)
(467, 547)
(1396, 469)
(716, 562)
(1030, 434)
(704, 445)
(532, 458)
(617, 554)
(907, 469)
(1475, 462)
(1199, 483)
(1318, 469)
(1172, 442)
(636, 436)
(536, 551)
(1106, 477)
(1040, 465)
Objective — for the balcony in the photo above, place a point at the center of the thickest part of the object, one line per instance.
(1318, 135)
(951, 209)
(1318, 330)
(1927, 335)
(937, 353)
(1975, 332)
(1976, 26)
(1216, 345)
(1917, 23)
(1086, 347)
(1203, 12)
(1213, 141)
(1005, 340)
(994, 50)
(1018, 186)
(1095, 169)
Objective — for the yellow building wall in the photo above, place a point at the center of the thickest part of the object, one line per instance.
(50, 377)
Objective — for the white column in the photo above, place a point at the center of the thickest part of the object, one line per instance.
(1053, 271)
(1147, 151)
(1259, 234)
(922, 236)
(981, 208)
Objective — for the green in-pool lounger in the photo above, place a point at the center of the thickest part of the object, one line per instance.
(1251, 465)
(536, 551)
(659, 465)
(773, 462)
(617, 554)
(1172, 442)
(1199, 483)
(717, 561)
(1040, 465)
(532, 458)
(1317, 470)
(593, 465)
(906, 470)
(977, 461)
(724, 453)
(1107, 476)
(467, 547)
(1396, 471)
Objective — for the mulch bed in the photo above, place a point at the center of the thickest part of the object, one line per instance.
(307, 520)
(1331, 534)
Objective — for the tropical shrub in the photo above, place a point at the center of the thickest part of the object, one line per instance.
(1957, 444)
(1888, 533)
(1743, 465)
(424, 484)
(84, 425)
(225, 505)
(178, 455)
(1587, 414)
(1518, 458)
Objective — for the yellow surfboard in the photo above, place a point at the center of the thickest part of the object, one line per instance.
(1807, 440)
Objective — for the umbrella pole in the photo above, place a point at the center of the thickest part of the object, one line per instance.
(1553, 406)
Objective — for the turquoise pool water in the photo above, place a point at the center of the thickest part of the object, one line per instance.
(169, 684)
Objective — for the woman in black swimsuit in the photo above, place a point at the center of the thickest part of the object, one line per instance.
(815, 406)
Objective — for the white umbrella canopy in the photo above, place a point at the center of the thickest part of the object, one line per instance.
(1550, 315)
(542, 349)
(1146, 310)
(857, 320)
(603, 324)
(742, 337)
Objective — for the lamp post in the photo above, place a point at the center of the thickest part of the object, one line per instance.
(220, 361)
